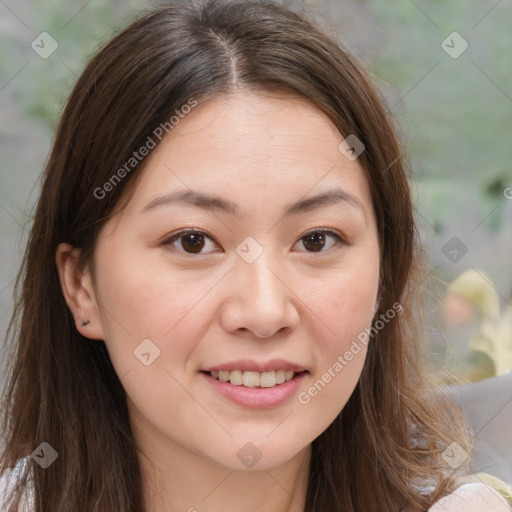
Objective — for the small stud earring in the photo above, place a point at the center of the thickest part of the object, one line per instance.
(84, 322)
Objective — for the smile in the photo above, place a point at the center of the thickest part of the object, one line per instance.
(251, 379)
(254, 389)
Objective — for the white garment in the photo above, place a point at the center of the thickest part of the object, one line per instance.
(473, 497)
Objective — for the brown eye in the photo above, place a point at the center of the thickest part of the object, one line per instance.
(190, 242)
(316, 241)
(193, 242)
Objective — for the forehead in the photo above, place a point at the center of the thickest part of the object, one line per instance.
(249, 146)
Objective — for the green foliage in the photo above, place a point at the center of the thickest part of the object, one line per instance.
(79, 28)
(460, 118)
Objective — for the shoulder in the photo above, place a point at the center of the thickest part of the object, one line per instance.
(472, 497)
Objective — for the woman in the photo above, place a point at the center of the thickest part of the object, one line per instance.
(215, 304)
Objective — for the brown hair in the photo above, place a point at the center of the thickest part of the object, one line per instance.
(384, 449)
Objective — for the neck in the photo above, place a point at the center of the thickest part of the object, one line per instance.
(176, 480)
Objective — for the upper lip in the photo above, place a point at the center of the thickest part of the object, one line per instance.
(250, 365)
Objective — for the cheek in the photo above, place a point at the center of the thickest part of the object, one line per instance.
(345, 308)
(338, 357)
(140, 304)
(139, 298)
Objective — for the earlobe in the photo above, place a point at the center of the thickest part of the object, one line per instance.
(78, 292)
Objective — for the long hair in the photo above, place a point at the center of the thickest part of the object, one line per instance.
(384, 450)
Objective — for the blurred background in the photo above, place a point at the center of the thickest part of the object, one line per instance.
(444, 70)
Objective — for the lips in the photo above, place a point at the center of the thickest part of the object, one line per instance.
(254, 383)
(249, 365)
(256, 397)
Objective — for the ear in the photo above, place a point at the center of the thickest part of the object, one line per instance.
(78, 291)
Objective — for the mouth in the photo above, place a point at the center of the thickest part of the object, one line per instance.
(256, 384)
(254, 379)
(256, 389)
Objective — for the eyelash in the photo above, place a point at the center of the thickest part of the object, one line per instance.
(339, 240)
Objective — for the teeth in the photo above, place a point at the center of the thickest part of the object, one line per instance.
(280, 376)
(250, 379)
(235, 377)
(268, 379)
(254, 379)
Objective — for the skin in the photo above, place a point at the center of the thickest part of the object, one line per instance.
(262, 152)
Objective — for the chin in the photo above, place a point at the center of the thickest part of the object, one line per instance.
(250, 454)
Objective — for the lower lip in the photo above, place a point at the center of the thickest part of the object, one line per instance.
(257, 398)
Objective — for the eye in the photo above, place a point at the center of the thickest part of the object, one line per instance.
(194, 241)
(317, 240)
(191, 242)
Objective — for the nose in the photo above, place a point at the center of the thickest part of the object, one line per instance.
(260, 299)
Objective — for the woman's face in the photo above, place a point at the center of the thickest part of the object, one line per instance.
(218, 264)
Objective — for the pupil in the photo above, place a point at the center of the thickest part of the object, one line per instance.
(195, 242)
(314, 238)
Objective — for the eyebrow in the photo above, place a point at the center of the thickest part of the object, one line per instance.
(212, 202)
